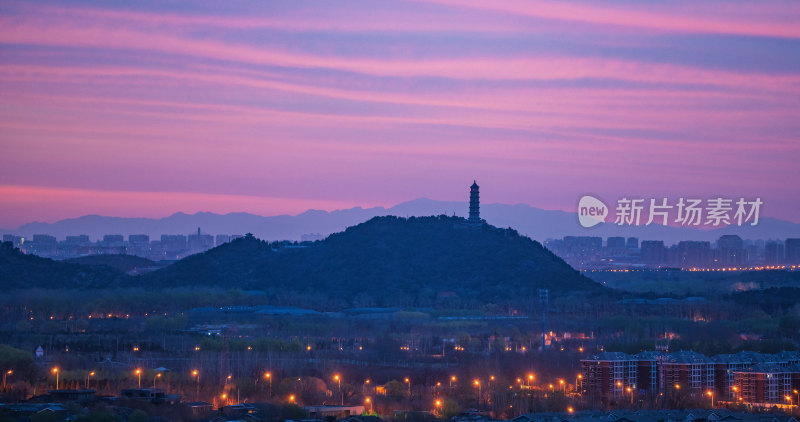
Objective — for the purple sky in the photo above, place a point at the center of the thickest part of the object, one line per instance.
(147, 108)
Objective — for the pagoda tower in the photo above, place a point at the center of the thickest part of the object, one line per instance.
(474, 205)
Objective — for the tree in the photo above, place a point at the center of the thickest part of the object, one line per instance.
(137, 415)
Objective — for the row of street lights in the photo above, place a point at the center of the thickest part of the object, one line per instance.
(56, 371)
(336, 377)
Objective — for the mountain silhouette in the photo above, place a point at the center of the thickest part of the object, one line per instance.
(21, 271)
(534, 222)
(386, 261)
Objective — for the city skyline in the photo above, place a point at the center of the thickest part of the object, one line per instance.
(144, 110)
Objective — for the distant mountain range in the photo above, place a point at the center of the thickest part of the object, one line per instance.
(534, 222)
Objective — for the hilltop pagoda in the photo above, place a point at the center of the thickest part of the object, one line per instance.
(474, 205)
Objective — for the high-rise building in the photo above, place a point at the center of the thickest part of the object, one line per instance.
(694, 254)
(113, 240)
(730, 251)
(773, 253)
(632, 243)
(17, 241)
(653, 252)
(615, 243)
(792, 250)
(200, 242)
(173, 243)
(222, 238)
(311, 237)
(139, 244)
(79, 240)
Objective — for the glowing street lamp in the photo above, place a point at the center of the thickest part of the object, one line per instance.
(291, 399)
(408, 381)
(452, 380)
(138, 373)
(478, 384)
(268, 376)
(563, 385)
(90, 374)
(6, 374)
(55, 371)
(158, 375)
(711, 394)
(339, 380)
(196, 373)
(580, 377)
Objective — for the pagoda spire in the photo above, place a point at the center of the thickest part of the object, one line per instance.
(474, 204)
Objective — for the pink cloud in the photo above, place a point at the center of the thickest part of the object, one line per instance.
(736, 19)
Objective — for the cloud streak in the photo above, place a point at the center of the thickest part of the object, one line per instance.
(377, 103)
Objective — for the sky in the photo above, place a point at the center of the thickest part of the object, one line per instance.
(148, 108)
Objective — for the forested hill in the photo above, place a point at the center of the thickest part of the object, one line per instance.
(386, 261)
(20, 271)
(123, 263)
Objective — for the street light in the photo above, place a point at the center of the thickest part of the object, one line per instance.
(291, 399)
(530, 380)
(339, 380)
(139, 374)
(90, 374)
(580, 377)
(158, 375)
(196, 373)
(630, 390)
(368, 402)
(478, 384)
(452, 380)
(268, 376)
(711, 394)
(55, 371)
(564, 386)
(5, 374)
